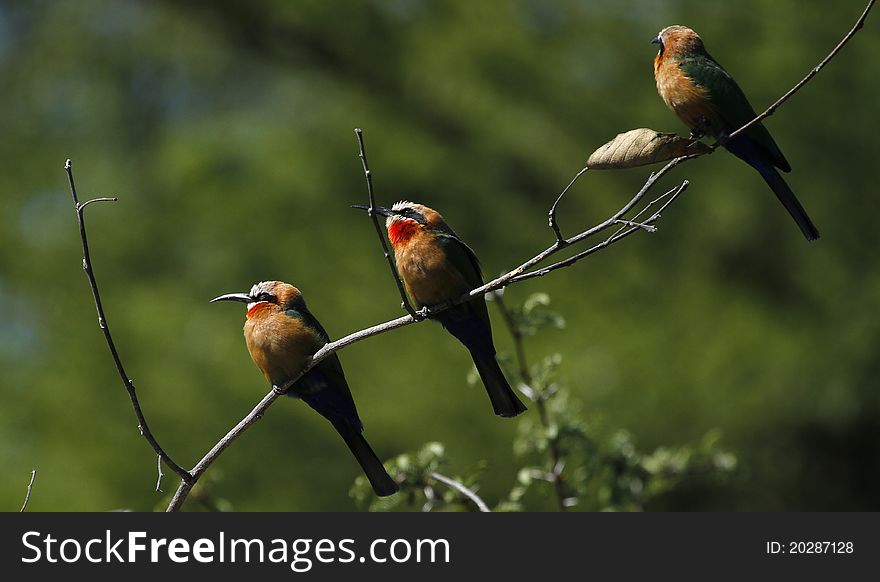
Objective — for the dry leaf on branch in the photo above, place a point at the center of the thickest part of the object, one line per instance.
(639, 147)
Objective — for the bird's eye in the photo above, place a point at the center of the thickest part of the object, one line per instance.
(264, 296)
(414, 214)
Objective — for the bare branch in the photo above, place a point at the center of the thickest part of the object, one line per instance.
(772, 109)
(469, 493)
(27, 496)
(371, 211)
(102, 323)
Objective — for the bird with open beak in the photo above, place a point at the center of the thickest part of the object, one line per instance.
(281, 336)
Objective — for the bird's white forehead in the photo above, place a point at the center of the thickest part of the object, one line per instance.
(261, 287)
(400, 205)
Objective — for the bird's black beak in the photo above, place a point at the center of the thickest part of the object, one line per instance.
(380, 210)
(657, 40)
(243, 297)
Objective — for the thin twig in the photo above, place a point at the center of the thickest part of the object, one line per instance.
(552, 214)
(105, 328)
(87, 202)
(371, 211)
(469, 493)
(161, 474)
(642, 225)
(556, 461)
(655, 216)
(772, 109)
(516, 274)
(624, 232)
(27, 496)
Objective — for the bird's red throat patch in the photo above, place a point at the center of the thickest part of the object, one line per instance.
(256, 307)
(402, 230)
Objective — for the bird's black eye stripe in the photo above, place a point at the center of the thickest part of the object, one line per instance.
(413, 214)
(265, 296)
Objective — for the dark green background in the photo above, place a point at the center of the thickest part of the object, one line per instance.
(225, 128)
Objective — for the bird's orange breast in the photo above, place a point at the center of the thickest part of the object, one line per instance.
(430, 278)
(689, 101)
(279, 345)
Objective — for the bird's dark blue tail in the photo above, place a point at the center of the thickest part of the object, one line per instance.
(504, 401)
(747, 151)
(476, 335)
(382, 483)
(334, 402)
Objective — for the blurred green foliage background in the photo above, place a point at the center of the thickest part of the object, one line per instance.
(225, 128)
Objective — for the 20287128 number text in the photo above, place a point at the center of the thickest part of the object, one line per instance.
(813, 547)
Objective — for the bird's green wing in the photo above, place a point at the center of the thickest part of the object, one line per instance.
(300, 312)
(330, 366)
(463, 257)
(731, 103)
(465, 260)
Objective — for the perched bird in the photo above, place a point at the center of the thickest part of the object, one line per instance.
(707, 99)
(281, 334)
(438, 268)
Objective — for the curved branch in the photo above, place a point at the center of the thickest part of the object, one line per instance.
(469, 493)
(105, 328)
(80, 207)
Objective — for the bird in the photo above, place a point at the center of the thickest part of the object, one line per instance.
(709, 101)
(281, 335)
(437, 268)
